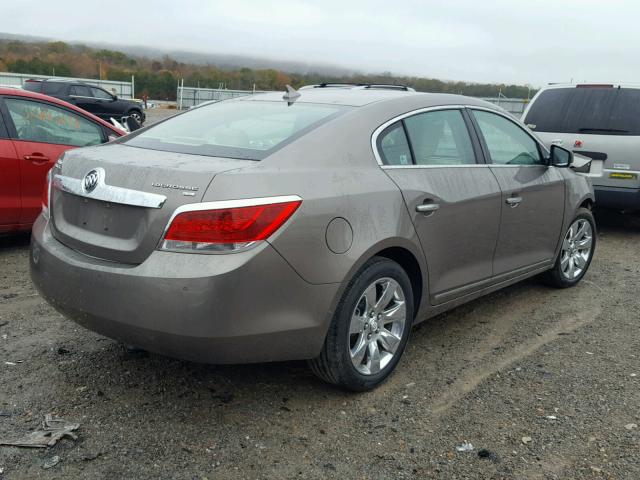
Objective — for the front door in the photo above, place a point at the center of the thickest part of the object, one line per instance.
(532, 194)
(41, 133)
(453, 199)
(9, 181)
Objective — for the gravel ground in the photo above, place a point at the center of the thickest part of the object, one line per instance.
(155, 115)
(543, 383)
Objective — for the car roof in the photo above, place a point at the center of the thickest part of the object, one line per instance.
(590, 85)
(360, 97)
(13, 92)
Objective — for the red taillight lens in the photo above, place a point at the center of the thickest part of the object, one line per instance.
(224, 229)
(46, 193)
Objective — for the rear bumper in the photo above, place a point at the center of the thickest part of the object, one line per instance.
(235, 308)
(619, 198)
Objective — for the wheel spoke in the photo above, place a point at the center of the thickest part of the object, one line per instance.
(357, 324)
(584, 244)
(564, 262)
(387, 295)
(374, 358)
(357, 354)
(572, 268)
(397, 313)
(582, 226)
(370, 298)
(389, 341)
(580, 261)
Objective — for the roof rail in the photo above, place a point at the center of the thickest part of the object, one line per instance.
(376, 86)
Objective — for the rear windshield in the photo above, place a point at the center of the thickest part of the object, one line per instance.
(591, 110)
(243, 129)
(33, 86)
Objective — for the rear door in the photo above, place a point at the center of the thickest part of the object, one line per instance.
(452, 197)
(9, 179)
(532, 193)
(41, 132)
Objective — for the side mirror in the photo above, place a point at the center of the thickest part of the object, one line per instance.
(114, 97)
(560, 157)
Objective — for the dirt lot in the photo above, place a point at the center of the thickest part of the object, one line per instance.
(560, 367)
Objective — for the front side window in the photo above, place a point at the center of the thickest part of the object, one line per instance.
(440, 137)
(243, 129)
(40, 122)
(508, 144)
(394, 147)
(101, 94)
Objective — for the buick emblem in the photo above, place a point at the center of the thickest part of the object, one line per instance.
(90, 181)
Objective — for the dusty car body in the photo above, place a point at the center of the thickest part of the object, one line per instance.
(116, 250)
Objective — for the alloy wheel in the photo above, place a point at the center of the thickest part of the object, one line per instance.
(377, 326)
(576, 249)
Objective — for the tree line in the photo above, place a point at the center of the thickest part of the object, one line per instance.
(159, 77)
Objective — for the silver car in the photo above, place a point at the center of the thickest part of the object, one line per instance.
(598, 121)
(320, 225)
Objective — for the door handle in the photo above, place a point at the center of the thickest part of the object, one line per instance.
(514, 201)
(37, 158)
(428, 207)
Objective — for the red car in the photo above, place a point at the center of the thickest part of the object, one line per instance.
(34, 131)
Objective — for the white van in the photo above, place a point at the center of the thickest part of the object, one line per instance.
(599, 121)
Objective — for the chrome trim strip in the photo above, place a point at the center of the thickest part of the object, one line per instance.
(377, 131)
(221, 204)
(108, 193)
(508, 116)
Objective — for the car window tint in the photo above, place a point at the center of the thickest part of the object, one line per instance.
(394, 147)
(79, 91)
(440, 138)
(595, 110)
(244, 129)
(3, 128)
(53, 88)
(508, 144)
(101, 94)
(40, 122)
(33, 86)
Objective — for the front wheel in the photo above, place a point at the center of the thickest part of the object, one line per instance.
(370, 328)
(136, 114)
(578, 246)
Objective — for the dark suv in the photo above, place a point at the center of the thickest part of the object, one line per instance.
(92, 99)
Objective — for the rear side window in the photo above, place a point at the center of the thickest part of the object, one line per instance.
(79, 91)
(53, 88)
(440, 138)
(40, 122)
(591, 110)
(394, 147)
(243, 129)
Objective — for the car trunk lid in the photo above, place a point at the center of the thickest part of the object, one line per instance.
(122, 218)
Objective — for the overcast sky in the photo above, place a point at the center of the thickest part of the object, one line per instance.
(509, 41)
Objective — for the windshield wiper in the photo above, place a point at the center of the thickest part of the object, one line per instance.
(612, 130)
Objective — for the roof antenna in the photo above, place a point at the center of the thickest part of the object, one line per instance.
(291, 95)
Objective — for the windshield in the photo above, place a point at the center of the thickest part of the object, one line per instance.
(590, 110)
(243, 129)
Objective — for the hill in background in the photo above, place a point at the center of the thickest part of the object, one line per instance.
(158, 74)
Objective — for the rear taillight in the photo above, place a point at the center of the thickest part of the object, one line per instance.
(227, 225)
(46, 194)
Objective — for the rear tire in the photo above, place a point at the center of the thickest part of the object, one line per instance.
(576, 252)
(370, 328)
